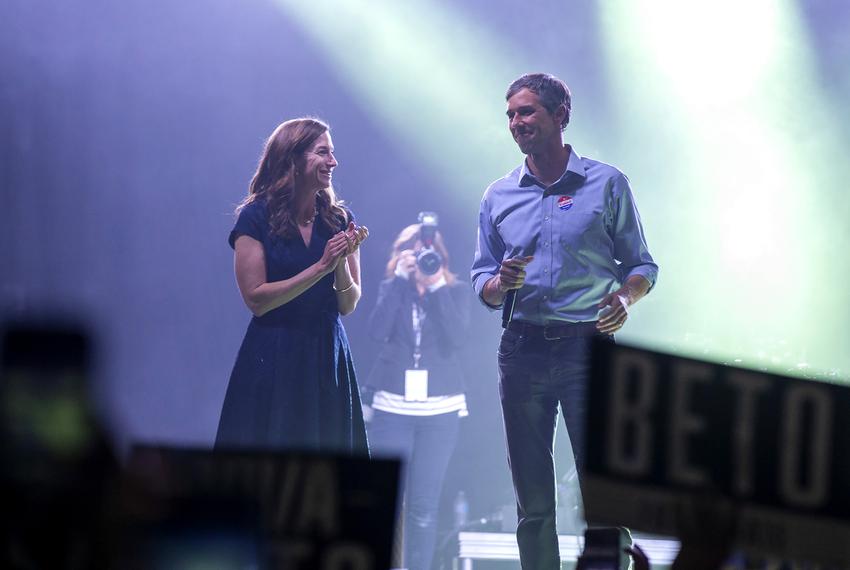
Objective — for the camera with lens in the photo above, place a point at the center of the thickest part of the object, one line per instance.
(427, 258)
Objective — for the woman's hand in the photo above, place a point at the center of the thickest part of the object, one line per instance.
(335, 250)
(355, 235)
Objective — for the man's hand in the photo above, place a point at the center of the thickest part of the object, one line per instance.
(512, 273)
(615, 306)
(615, 312)
(511, 276)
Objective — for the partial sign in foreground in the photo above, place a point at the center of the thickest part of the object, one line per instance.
(687, 448)
(244, 509)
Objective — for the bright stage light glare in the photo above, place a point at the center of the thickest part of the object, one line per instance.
(727, 94)
(701, 49)
(432, 78)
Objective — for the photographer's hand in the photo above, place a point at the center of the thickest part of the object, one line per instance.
(406, 264)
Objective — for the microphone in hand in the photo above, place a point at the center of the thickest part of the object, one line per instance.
(511, 278)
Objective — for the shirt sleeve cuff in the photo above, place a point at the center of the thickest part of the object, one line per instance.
(648, 272)
(478, 285)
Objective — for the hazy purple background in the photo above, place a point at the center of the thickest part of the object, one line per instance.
(129, 132)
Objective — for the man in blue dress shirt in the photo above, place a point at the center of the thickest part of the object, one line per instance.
(560, 242)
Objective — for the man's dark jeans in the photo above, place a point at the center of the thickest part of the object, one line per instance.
(535, 375)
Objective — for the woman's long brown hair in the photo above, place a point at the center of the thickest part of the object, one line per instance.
(274, 179)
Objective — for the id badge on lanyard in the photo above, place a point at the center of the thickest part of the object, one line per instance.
(416, 380)
(416, 385)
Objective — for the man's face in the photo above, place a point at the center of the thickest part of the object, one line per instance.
(532, 126)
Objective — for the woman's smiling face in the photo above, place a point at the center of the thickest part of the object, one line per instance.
(318, 163)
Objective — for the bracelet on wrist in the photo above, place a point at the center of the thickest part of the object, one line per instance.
(343, 290)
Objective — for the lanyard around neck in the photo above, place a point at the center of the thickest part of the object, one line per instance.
(418, 320)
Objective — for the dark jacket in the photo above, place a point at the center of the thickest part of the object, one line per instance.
(445, 329)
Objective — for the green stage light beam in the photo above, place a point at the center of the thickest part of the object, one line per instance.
(726, 122)
(431, 77)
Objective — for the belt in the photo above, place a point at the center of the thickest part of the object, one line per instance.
(555, 331)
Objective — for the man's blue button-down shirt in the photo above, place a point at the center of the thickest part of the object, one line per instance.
(584, 232)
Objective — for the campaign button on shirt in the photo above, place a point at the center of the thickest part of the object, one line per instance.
(565, 202)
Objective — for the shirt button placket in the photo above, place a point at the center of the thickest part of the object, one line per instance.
(547, 259)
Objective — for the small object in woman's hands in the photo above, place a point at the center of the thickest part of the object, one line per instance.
(355, 235)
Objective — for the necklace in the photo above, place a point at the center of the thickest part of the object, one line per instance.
(310, 221)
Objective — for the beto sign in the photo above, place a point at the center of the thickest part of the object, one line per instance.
(666, 433)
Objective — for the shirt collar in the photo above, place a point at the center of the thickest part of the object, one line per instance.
(575, 166)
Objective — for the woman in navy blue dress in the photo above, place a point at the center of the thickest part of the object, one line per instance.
(297, 264)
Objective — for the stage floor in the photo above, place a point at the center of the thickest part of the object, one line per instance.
(474, 546)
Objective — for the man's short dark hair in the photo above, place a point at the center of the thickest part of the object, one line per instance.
(552, 92)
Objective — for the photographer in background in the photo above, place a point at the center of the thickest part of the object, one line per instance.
(415, 394)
